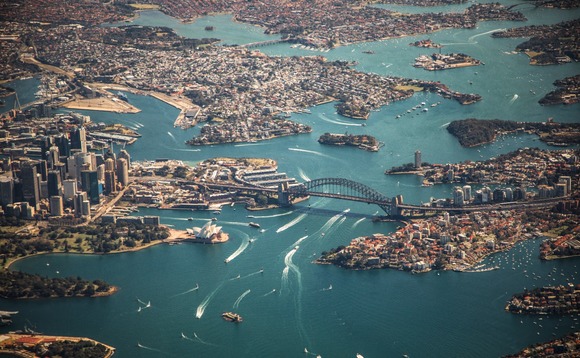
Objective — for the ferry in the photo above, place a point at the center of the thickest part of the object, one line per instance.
(253, 224)
(122, 96)
(232, 317)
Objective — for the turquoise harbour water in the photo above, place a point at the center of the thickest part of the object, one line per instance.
(330, 311)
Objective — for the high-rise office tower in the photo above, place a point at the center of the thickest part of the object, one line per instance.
(30, 184)
(6, 191)
(78, 139)
(122, 172)
(54, 183)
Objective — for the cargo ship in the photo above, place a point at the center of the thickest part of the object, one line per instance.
(232, 317)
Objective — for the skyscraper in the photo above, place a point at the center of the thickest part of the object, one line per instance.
(53, 156)
(78, 139)
(54, 183)
(70, 189)
(110, 182)
(30, 183)
(56, 207)
(418, 159)
(63, 145)
(6, 191)
(90, 184)
(122, 171)
(125, 155)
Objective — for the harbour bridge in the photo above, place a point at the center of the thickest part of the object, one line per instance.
(346, 189)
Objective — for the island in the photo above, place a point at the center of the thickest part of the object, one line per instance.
(437, 61)
(472, 132)
(362, 141)
(426, 43)
(549, 300)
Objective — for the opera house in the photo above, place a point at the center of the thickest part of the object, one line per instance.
(208, 234)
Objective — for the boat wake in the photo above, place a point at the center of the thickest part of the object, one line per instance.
(188, 291)
(358, 222)
(269, 293)
(514, 98)
(205, 302)
(284, 279)
(237, 303)
(299, 241)
(172, 137)
(295, 221)
(240, 249)
(272, 216)
(310, 353)
(252, 274)
(445, 125)
(327, 288)
(148, 348)
(186, 337)
(202, 341)
(472, 38)
(237, 223)
(333, 219)
(196, 339)
(302, 175)
(186, 150)
(326, 119)
(311, 152)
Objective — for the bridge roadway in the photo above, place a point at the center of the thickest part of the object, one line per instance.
(536, 204)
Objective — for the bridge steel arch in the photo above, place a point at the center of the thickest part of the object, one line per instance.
(346, 189)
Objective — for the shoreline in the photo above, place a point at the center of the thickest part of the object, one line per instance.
(12, 337)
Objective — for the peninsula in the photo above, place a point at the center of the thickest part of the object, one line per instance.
(550, 300)
(445, 242)
(562, 347)
(530, 167)
(31, 345)
(568, 92)
(20, 285)
(549, 44)
(472, 132)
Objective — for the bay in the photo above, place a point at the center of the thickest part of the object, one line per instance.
(328, 310)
